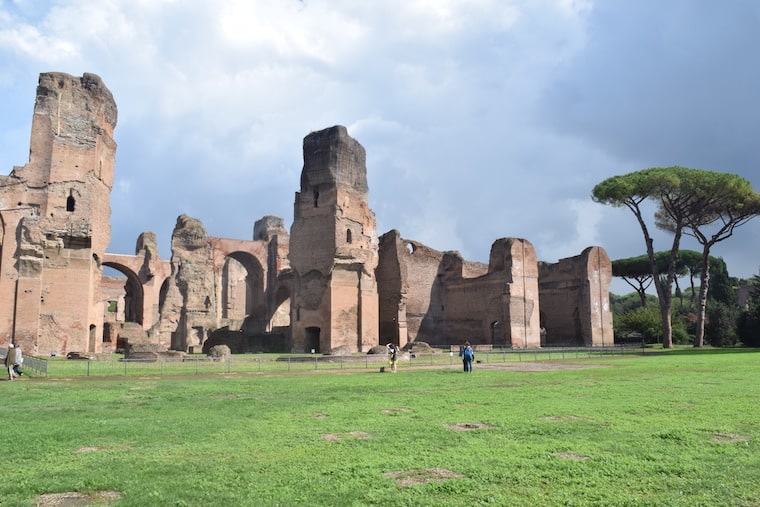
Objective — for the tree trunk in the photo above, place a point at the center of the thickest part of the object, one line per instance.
(642, 297)
(704, 282)
(664, 290)
(667, 325)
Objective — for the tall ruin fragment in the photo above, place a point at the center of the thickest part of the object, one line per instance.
(575, 300)
(55, 213)
(333, 248)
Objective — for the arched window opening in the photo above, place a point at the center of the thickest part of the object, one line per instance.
(316, 198)
(496, 333)
(349, 238)
(70, 202)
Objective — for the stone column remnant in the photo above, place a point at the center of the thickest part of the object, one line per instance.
(333, 248)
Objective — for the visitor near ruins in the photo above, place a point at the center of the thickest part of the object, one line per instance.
(392, 356)
(19, 360)
(10, 361)
(467, 355)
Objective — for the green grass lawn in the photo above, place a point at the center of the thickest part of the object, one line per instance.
(676, 429)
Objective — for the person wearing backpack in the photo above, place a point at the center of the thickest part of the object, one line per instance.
(468, 355)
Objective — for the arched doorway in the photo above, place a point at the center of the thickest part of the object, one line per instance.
(123, 293)
(497, 336)
(281, 315)
(242, 296)
(123, 307)
(312, 339)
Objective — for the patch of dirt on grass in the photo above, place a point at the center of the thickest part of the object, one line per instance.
(76, 499)
(94, 448)
(722, 438)
(561, 418)
(334, 437)
(395, 410)
(406, 478)
(569, 455)
(320, 416)
(468, 426)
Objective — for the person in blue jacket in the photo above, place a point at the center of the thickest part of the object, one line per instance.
(467, 355)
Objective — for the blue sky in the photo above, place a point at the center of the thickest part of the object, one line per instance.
(481, 119)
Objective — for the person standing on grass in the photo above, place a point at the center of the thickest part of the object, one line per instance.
(467, 356)
(392, 356)
(10, 362)
(18, 362)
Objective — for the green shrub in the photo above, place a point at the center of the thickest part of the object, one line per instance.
(748, 326)
(720, 325)
(679, 333)
(645, 321)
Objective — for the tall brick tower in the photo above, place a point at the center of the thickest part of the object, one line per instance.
(55, 213)
(333, 248)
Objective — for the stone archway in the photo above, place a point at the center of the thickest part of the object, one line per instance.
(132, 305)
(243, 292)
(281, 314)
(497, 335)
(312, 339)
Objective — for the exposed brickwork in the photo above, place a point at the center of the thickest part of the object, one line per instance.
(328, 285)
(575, 302)
(56, 217)
(333, 248)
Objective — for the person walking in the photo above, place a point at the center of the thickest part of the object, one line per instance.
(18, 362)
(467, 355)
(10, 362)
(392, 356)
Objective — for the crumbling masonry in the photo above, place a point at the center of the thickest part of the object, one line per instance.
(330, 286)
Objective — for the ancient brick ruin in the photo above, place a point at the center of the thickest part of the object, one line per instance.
(329, 286)
(55, 214)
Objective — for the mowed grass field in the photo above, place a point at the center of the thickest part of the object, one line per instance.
(673, 429)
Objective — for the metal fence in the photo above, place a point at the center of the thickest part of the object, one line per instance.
(271, 363)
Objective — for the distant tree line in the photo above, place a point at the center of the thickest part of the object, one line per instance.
(637, 316)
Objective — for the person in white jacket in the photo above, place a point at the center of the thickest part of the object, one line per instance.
(18, 362)
(10, 362)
